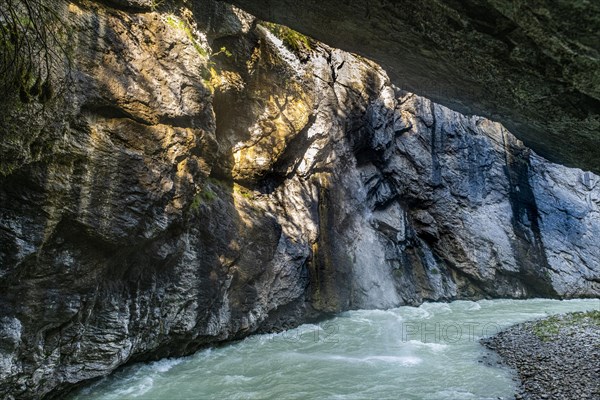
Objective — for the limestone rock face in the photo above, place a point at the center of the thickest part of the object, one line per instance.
(534, 66)
(210, 176)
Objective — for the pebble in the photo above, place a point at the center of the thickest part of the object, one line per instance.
(563, 366)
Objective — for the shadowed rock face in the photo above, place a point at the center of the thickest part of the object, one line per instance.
(183, 198)
(534, 66)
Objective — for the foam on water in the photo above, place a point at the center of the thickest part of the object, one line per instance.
(165, 364)
(397, 360)
(437, 347)
(236, 379)
(136, 390)
(426, 352)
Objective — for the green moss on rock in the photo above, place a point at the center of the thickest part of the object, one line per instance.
(294, 41)
(547, 329)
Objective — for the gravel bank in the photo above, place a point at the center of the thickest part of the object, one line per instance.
(555, 358)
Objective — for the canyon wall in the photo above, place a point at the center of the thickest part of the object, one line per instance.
(532, 65)
(207, 176)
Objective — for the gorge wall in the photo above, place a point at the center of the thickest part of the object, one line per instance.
(532, 65)
(207, 176)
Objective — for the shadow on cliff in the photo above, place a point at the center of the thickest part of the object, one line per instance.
(98, 255)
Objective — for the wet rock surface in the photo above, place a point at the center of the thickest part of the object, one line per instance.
(556, 358)
(207, 177)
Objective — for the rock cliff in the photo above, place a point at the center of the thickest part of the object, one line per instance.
(208, 176)
(532, 65)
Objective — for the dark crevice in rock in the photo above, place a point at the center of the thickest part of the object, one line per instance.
(483, 18)
(287, 162)
(436, 172)
(329, 267)
(529, 248)
(110, 111)
(132, 6)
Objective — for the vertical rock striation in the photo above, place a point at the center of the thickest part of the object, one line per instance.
(210, 176)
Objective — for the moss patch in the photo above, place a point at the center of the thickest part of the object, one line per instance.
(547, 329)
(180, 24)
(244, 192)
(202, 197)
(294, 41)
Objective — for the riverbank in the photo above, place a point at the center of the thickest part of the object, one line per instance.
(400, 353)
(555, 358)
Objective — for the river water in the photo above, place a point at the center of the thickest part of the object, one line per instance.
(426, 352)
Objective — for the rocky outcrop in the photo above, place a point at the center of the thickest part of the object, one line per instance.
(534, 66)
(209, 177)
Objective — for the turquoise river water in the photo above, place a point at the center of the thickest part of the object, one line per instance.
(426, 352)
